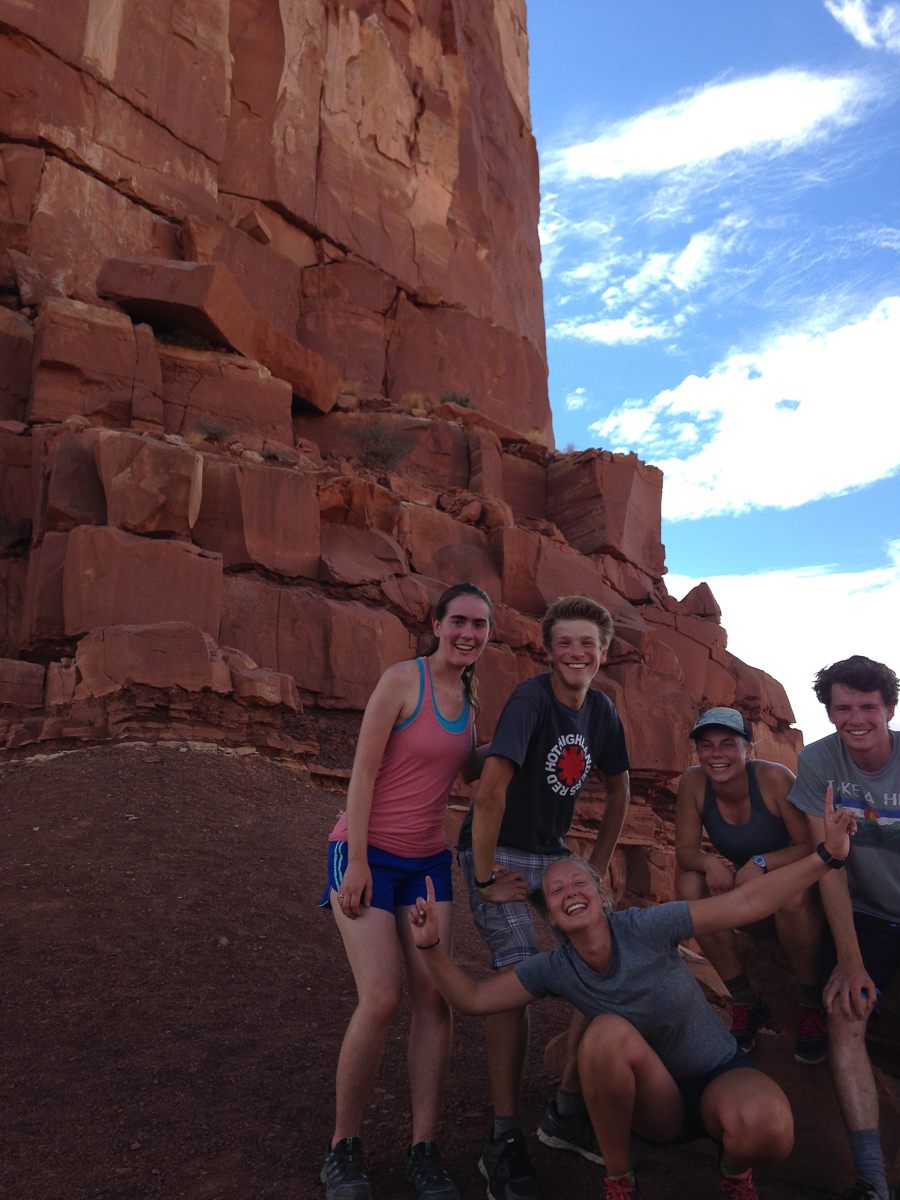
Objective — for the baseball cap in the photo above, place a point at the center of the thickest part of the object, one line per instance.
(726, 718)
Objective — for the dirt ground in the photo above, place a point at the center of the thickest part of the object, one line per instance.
(173, 1001)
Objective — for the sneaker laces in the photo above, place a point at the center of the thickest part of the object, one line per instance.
(811, 1023)
(739, 1187)
(425, 1160)
(740, 1017)
(620, 1189)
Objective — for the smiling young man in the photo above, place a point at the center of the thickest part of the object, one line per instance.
(861, 762)
(554, 730)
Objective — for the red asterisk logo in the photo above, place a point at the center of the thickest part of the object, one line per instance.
(571, 765)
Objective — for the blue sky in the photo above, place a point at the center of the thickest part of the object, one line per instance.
(721, 242)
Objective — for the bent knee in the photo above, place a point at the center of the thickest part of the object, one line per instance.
(607, 1034)
(690, 885)
(763, 1133)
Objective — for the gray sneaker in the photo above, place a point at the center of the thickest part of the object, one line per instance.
(569, 1133)
(863, 1190)
(343, 1174)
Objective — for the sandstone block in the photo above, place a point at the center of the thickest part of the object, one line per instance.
(259, 686)
(465, 414)
(535, 572)
(21, 683)
(270, 282)
(485, 463)
(335, 649)
(72, 491)
(19, 187)
(205, 391)
(357, 556)
(150, 486)
(353, 341)
(609, 504)
(164, 655)
(408, 593)
(497, 674)
(43, 620)
(79, 222)
(445, 549)
(653, 745)
(625, 578)
(16, 483)
(13, 575)
(525, 487)
(114, 578)
(700, 602)
(516, 631)
(84, 361)
(206, 297)
(433, 453)
(46, 100)
(16, 347)
(757, 692)
(444, 350)
(260, 516)
(147, 396)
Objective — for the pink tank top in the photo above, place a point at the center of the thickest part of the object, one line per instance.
(421, 759)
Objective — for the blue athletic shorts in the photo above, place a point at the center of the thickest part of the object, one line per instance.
(692, 1093)
(396, 882)
(879, 945)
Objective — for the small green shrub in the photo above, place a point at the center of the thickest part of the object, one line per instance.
(379, 446)
(456, 398)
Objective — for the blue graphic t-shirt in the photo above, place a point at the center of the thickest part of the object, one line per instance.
(873, 868)
(554, 748)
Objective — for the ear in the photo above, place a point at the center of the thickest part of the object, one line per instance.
(603, 654)
(436, 629)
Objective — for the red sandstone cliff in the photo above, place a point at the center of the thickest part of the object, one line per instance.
(272, 374)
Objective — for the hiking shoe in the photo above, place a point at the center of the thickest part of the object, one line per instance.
(863, 1190)
(343, 1173)
(569, 1133)
(811, 1045)
(746, 1019)
(425, 1171)
(739, 1187)
(506, 1166)
(621, 1189)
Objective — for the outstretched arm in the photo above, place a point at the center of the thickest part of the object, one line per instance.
(761, 897)
(466, 995)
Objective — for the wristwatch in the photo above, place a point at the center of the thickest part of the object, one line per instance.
(828, 859)
(486, 883)
(759, 861)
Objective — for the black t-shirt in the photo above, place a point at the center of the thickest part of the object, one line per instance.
(554, 748)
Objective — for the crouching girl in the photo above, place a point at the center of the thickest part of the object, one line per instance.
(655, 1059)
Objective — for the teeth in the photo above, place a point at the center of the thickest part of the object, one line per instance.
(574, 908)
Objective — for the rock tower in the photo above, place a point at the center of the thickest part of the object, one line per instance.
(273, 374)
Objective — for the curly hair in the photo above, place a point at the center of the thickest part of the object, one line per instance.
(859, 673)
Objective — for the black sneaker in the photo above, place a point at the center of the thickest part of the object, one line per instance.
(863, 1190)
(426, 1173)
(507, 1168)
(569, 1133)
(746, 1019)
(343, 1174)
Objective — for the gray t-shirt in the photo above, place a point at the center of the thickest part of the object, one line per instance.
(648, 983)
(873, 868)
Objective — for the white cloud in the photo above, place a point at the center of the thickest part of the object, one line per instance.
(873, 28)
(811, 414)
(764, 113)
(631, 329)
(792, 623)
(577, 399)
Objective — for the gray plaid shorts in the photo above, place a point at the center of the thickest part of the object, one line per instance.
(508, 929)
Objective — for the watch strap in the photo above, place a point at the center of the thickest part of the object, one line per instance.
(486, 883)
(829, 859)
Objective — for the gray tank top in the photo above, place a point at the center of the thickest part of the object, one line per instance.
(762, 834)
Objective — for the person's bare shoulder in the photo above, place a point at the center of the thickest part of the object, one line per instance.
(693, 782)
(774, 777)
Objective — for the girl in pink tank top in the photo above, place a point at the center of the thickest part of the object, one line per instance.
(417, 734)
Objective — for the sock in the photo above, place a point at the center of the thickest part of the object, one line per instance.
(569, 1104)
(747, 1173)
(811, 995)
(505, 1125)
(741, 990)
(629, 1175)
(867, 1158)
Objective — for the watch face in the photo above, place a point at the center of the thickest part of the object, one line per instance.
(759, 861)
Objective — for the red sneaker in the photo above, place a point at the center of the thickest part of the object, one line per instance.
(746, 1019)
(811, 1045)
(739, 1187)
(621, 1188)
